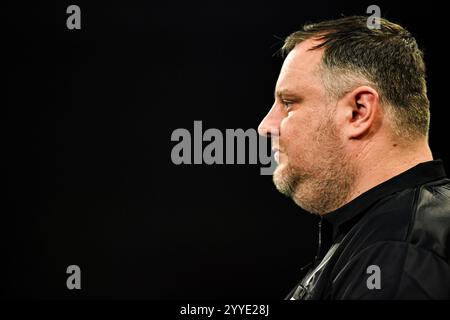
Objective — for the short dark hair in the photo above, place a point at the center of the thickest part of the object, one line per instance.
(387, 58)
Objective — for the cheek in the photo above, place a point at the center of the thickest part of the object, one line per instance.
(287, 132)
(292, 124)
(294, 132)
(299, 138)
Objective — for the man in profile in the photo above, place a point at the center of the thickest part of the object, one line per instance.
(351, 117)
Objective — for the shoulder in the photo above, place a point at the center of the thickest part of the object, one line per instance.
(393, 270)
(405, 237)
(430, 227)
(419, 216)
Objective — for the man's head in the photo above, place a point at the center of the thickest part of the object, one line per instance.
(344, 92)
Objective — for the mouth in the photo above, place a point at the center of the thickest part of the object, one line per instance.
(276, 154)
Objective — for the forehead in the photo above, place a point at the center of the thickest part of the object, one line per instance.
(299, 70)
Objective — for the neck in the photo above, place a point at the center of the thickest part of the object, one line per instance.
(381, 164)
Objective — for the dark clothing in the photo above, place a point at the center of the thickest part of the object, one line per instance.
(391, 242)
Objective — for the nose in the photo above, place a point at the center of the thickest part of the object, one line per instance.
(270, 125)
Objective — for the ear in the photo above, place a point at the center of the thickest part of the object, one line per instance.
(360, 112)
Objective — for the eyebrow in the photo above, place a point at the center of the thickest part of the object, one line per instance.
(283, 94)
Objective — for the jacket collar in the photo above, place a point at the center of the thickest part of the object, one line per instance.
(417, 175)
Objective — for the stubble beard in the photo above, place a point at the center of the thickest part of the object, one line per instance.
(326, 183)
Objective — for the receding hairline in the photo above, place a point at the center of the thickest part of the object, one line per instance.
(293, 40)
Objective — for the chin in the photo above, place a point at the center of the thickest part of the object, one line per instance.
(283, 180)
(294, 187)
(279, 175)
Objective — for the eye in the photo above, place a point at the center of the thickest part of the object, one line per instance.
(287, 104)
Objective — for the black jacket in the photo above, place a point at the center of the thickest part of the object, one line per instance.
(392, 242)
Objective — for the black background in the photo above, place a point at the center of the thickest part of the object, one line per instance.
(90, 114)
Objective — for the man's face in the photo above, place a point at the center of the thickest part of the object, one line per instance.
(313, 168)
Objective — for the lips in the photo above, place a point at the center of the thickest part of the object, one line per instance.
(276, 154)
